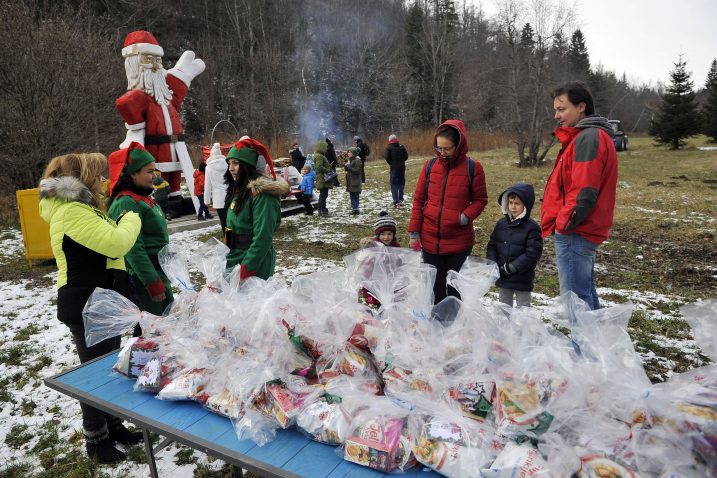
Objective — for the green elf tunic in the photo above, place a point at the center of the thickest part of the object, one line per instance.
(142, 262)
(253, 228)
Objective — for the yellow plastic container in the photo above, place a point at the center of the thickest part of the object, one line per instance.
(35, 231)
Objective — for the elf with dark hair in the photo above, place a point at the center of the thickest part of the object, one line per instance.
(131, 185)
(254, 212)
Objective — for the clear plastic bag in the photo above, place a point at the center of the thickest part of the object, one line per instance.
(173, 262)
(134, 355)
(283, 399)
(108, 314)
(475, 279)
(518, 460)
(447, 442)
(378, 437)
(384, 276)
(702, 317)
(211, 260)
(256, 427)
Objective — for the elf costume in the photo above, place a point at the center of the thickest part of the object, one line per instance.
(142, 262)
(251, 229)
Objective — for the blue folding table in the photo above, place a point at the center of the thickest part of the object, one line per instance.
(291, 454)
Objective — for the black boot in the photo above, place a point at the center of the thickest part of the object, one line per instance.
(105, 452)
(123, 436)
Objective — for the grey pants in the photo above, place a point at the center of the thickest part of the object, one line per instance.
(522, 297)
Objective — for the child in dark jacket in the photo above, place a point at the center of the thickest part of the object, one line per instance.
(516, 245)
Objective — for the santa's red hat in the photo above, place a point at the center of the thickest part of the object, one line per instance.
(127, 161)
(141, 42)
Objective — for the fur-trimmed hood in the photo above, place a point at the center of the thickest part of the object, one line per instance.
(66, 188)
(264, 185)
(56, 192)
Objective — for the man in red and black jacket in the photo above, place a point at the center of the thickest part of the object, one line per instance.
(579, 198)
(450, 194)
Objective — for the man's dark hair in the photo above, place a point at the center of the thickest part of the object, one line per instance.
(577, 92)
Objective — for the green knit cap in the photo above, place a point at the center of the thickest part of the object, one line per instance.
(245, 155)
(138, 158)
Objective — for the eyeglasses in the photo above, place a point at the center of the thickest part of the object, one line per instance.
(445, 150)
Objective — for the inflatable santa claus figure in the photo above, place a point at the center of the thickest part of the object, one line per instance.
(150, 107)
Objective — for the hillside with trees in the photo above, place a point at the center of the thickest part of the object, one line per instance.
(283, 70)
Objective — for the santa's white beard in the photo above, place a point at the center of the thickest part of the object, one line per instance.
(151, 82)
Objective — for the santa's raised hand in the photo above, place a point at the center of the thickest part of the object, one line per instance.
(187, 68)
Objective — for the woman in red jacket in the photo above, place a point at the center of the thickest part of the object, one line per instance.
(450, 194)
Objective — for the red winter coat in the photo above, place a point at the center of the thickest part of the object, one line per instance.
(437, 214)
(580, 193)
(198, 182)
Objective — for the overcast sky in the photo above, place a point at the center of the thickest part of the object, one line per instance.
(644, 38)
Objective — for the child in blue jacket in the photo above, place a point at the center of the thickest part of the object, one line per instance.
(516, 245)
(307, 189)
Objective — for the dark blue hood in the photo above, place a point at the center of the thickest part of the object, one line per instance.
(524, 191)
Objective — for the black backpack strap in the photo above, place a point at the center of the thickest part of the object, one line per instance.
(431, 162)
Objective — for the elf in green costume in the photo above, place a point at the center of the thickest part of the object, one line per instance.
(254, 211)
(131, 176)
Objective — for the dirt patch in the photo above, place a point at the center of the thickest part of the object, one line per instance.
(16, 269)
(658, 263)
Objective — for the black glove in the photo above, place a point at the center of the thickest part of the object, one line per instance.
(507, 269)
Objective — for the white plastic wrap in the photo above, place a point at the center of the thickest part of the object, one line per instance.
(173, 262)
(108, 314)
(475, 278)
(702, 317)
(211, 260)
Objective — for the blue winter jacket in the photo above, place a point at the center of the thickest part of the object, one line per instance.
(307, 183)
(518, 243)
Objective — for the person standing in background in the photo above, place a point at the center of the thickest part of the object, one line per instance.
(215, 187)
(199, 180)
(365, 152)
(396, 156)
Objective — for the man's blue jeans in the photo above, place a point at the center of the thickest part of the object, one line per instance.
(398, 181)
(575, 257)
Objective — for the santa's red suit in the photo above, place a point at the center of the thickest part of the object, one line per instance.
(162, 125)
(154, 125)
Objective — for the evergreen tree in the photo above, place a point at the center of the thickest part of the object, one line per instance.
(420, 75)
(677, 116)
(709, 110)
(578, 57)
(527, 38)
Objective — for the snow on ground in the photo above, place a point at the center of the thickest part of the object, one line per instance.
(28, 311)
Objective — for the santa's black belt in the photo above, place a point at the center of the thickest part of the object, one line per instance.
(164, 138)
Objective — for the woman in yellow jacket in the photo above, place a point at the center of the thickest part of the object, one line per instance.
(89, 248)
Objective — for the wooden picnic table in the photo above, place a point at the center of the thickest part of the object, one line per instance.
(291, 454)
